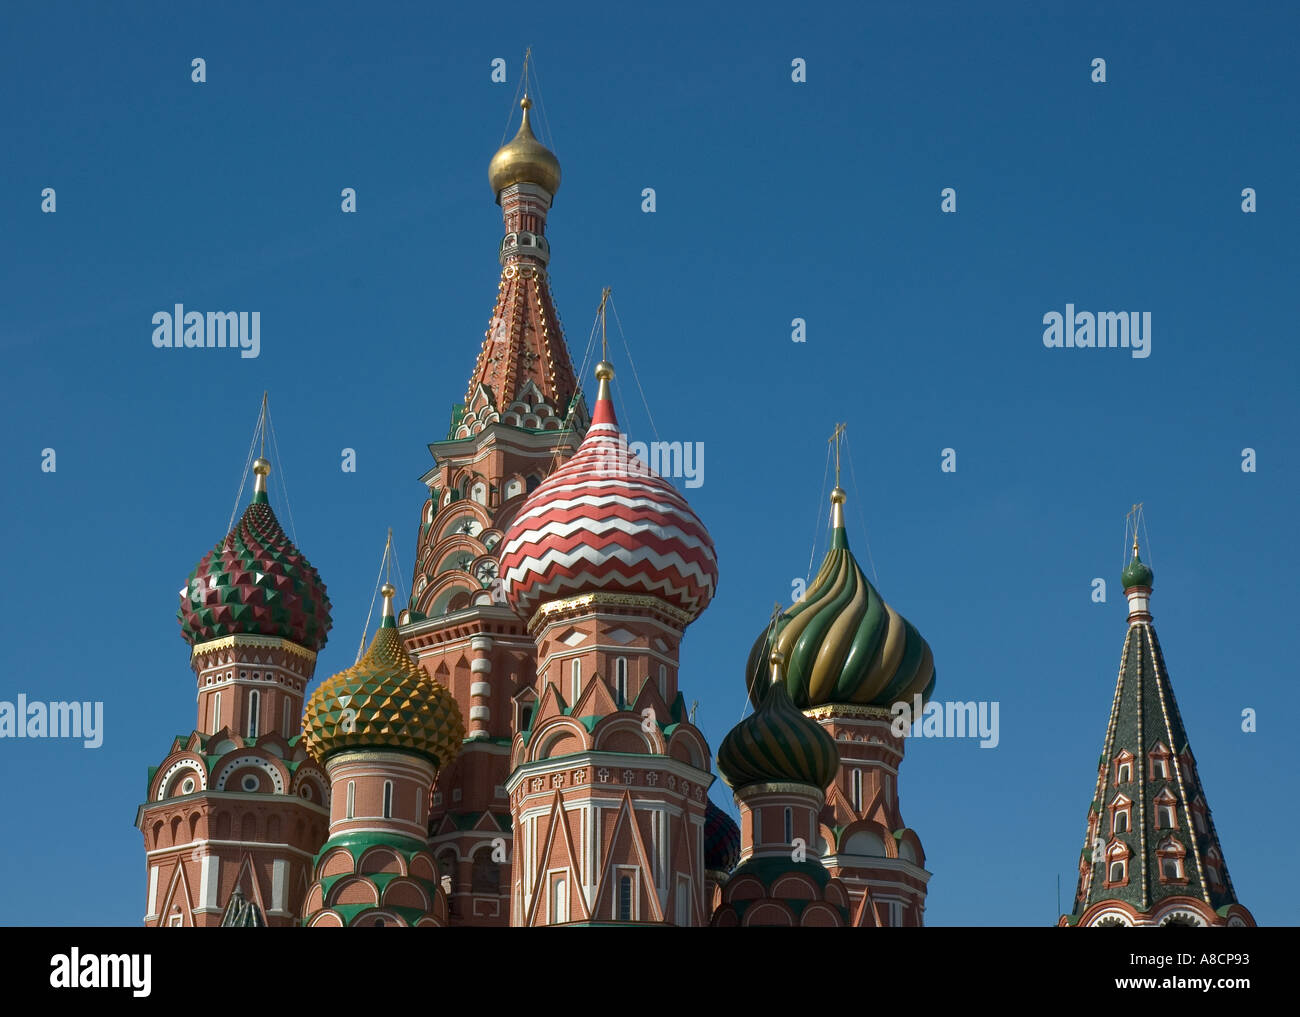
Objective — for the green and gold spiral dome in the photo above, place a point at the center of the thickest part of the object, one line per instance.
(842, 643)
(384, 701)
(777, 743)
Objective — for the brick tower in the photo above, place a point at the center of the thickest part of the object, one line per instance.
(522, 417)
(609, 779)
(1151, 854)
(382, 729)
(849, 657)
(237, 804)
(777, 761)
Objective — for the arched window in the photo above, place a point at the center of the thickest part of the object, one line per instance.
(620, 681)
(1171, 868)
(388, 799)
(1117, 871)
(254, 707)
(288, 731)
(1119, 824)
(559, 900)
(576, 668)
(216, 712)
(663, 681)
(352, 799)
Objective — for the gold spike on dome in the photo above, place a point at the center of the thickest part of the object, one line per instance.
(261, 468)
(524, 160)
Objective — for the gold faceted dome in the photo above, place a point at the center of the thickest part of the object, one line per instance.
(384, 701)
(524, 160)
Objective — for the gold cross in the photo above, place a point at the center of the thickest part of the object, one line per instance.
(837, 436)
(604, 344)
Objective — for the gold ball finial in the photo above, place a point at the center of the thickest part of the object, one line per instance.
(777, 659)
(525, 103)
(604, 371)
(386, 590)
(261, 467)
(837, 496)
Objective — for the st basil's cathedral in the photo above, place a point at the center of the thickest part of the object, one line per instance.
(514, 749)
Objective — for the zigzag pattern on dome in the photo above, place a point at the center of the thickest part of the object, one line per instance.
(602, 521)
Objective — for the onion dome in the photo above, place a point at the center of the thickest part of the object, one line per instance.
(777, 743)
(524, 160)
(384, 701)
(255, 582)
(1137, 572)
(604, 522)
(721, 839)
(844, 645)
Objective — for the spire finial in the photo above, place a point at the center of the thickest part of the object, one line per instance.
(777, 659)
(837, 493)
(1135, 513)
(604, 370)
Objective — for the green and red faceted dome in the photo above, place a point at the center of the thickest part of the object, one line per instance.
(255, 583)
(721, 839)
(604, 523)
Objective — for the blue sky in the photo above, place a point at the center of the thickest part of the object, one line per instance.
(775, 200)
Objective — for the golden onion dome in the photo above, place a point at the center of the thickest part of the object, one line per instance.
(524, 160)
(384, 701)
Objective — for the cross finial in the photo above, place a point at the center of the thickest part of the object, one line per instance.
(604, 342)
(836, 437)
(1135, 513)
(262, 425)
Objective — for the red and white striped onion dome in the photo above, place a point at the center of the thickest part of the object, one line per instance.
(604, 522)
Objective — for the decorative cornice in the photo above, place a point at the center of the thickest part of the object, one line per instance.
(780, 787)
(584, 601)
(849, 710)
(258, 642)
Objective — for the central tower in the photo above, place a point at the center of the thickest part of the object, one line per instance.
(522, 418)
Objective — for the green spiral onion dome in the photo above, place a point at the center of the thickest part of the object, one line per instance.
(385, 700)
(1137, 572)
(777, 743)
(842, 643)
(255, 583)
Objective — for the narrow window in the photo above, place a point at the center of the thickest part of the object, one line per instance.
(624, 898)
(1117, 872)
(857, 790)
(352, 798)
(577, 678)
(620, 681)
(789, 826)
(216, 712)
(1125, 773)
(559, 900)
(287, 731)
(1166, 814)
(388, 799)
(254, 706)
(663, 681)
(683, 901)
(1120, 823)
